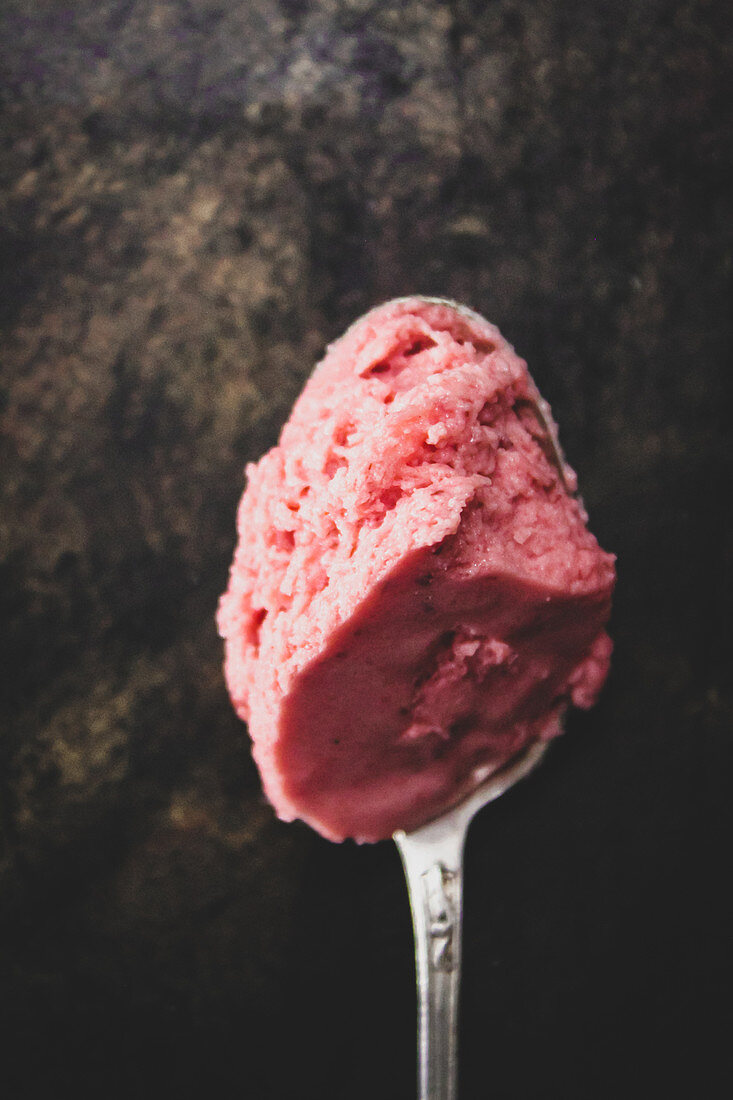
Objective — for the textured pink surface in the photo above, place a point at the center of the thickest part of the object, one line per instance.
(415, 595)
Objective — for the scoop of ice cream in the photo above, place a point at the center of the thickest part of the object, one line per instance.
(415, 595)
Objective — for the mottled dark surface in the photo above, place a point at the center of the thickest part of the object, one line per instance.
(196, 197)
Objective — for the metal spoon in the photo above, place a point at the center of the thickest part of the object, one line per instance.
(432, 857)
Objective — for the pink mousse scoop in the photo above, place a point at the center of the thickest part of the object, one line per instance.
(415, 596)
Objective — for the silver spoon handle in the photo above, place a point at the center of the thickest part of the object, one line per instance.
(433, 860)
(434, 871)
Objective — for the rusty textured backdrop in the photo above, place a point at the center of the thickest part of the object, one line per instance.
(196, 197)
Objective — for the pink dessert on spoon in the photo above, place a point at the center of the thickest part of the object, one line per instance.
(415, 596)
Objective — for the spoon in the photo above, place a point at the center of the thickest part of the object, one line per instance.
(432, 857)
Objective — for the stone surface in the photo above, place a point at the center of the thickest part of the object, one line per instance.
(195, 198)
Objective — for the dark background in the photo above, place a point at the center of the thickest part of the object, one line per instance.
(197, 196)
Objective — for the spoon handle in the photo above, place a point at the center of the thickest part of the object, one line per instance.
(433, 861)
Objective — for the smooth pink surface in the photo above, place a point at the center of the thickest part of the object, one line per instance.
(415, 595)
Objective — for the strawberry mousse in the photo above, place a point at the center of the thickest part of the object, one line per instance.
(415, 596)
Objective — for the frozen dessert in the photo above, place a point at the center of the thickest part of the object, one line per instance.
(415, 595)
